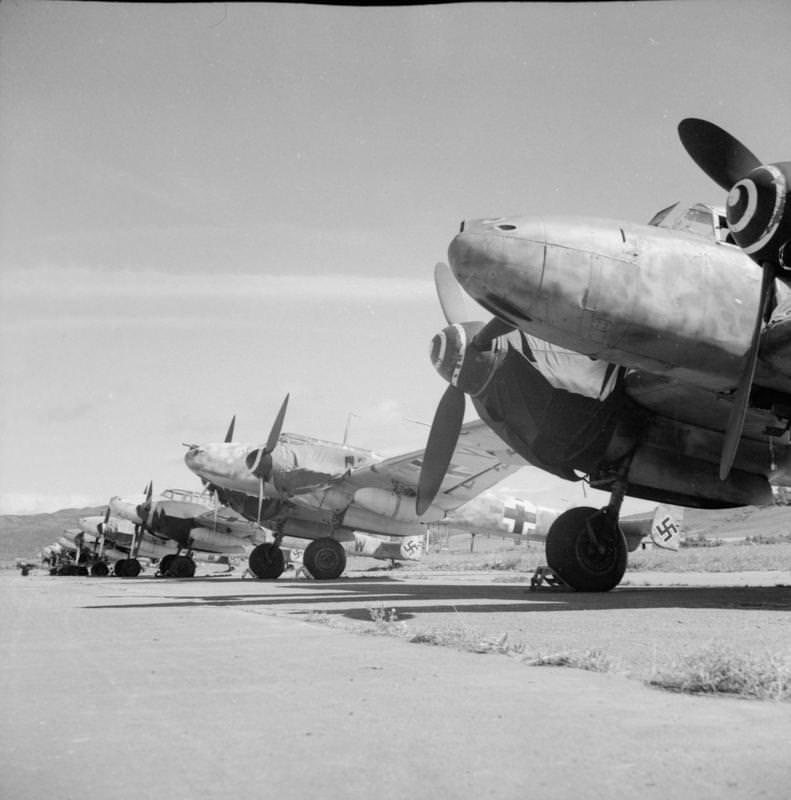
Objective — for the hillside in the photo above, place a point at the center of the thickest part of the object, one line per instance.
(23, 535)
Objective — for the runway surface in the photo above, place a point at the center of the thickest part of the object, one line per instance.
(218, 687)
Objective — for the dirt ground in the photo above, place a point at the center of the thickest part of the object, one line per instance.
(222, 687)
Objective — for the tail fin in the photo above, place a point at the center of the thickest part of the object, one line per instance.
(665, 529)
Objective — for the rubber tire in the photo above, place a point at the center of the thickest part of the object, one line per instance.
(571, 556)
(127, 568)
(99, 569)
(324, 559)
(165, 563)
(267, 561)
(181, 567)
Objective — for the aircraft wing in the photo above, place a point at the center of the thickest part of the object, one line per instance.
(480, 460)
(225, 520)
(703, 416)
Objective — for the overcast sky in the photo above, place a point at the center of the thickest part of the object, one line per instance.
(206, 207)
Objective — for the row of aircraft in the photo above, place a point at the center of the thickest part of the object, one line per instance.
(338, 497)
(647, 360)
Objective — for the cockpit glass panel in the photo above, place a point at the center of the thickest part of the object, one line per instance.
(660, 215)
(697, 219)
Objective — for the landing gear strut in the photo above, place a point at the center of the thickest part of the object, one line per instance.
(586, 548)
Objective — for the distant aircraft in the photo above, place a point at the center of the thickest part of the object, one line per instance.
(651, 360)
(174, 527)
(519, 519)
(333, 493)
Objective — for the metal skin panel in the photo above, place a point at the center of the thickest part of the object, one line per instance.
(638, 295)
(569, 435)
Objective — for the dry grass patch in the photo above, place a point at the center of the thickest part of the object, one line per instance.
(591, 660)
(723, 670)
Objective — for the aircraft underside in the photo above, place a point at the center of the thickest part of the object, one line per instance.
(621, 448)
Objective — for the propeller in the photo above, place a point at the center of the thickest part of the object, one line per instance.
(759, 219)
(466, 354)
(102, 526)
(259, 461)
(229, 432)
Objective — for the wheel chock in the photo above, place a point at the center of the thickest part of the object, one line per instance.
(547, 578)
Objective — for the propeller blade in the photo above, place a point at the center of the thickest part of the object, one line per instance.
(260, 498)
(735, 426)
(449, 293)
(229, 432)
(274, 434)
(441, 443)
(493, 329)
(722, 157)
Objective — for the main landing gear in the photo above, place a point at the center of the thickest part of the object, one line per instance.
(324, 559)
(127, 568)
(266, 561)
(176, 566)
(586, 547)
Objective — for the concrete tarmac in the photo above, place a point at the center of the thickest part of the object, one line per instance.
(218, 688)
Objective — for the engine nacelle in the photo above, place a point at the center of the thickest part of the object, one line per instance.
(394, 506)
(360, 519)
(207, 539)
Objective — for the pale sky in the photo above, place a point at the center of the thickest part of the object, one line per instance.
(205, 207)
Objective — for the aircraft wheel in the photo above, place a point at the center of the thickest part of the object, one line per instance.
(127, 568)
(585, 562)
(99, 569)
(181, 567)
(165, 564)
(324, 559)
(266, 561)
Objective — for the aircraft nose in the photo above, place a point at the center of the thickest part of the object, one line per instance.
(500, 263)
(194, 457)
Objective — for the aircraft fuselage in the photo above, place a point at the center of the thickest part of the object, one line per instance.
(641, 296)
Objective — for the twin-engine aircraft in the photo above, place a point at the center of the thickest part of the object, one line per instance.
(651, 360)
(175, 527)
(332, 493)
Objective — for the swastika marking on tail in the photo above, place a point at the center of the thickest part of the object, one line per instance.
(667, 528)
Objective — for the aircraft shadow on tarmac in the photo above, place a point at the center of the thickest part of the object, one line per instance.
(353, 598)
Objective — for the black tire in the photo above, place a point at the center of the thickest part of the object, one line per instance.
(267, 562)
(165, 563)
(574, 555)
(99, 569)
(324, 559)
(181, 567)
(127, 568)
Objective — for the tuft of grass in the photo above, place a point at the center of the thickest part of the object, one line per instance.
(469, 640)
(723, 670)
(591, 660)
(386, 622)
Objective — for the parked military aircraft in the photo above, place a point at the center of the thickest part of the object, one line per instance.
(652, 360)
(332, 493)
(173, 527)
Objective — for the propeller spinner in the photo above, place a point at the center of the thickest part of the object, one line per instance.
(259, 461)
(759, 219)
(466, 354)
